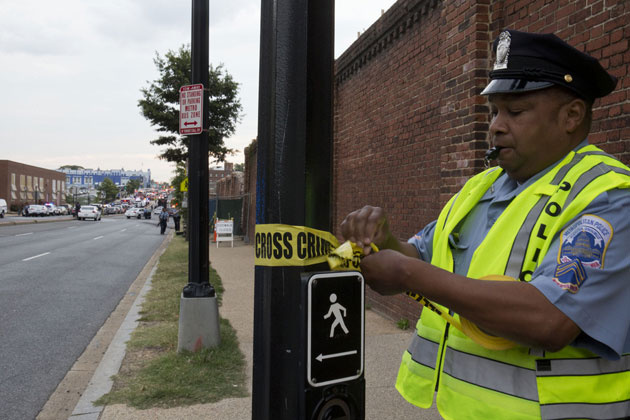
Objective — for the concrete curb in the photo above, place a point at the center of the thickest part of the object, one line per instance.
(101, 382)
(4, 221)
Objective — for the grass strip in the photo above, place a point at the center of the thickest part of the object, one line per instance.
(153, 373)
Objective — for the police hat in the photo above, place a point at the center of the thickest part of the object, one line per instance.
(526, 62)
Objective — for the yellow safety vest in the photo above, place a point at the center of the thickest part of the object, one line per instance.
(520, 383)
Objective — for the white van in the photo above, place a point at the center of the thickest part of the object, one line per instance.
(3, 207)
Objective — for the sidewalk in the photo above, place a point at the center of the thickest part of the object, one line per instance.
(384, 344)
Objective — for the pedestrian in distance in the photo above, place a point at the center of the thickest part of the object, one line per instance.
(552, 217)
(163, 219)
(176, 219)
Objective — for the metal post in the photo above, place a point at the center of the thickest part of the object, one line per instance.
(198, 267)
(198, 313)
(293, 186)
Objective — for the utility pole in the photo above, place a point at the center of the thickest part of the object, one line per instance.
(293, 189)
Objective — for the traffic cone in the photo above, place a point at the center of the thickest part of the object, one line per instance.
(215, 236)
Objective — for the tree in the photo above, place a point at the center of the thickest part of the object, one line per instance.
(160, 105)
(176, 182)
(178, 194)
(107, 190)
(72, 167)
(132, 186)
(239, 167)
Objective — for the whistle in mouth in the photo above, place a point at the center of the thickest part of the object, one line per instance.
(492, 153)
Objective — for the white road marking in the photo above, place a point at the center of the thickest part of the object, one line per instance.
(124, 230)
(36, 256)
(98, 237)
(24, 234)
(71, 227)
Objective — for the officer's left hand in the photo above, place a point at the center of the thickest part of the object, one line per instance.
(384, 271)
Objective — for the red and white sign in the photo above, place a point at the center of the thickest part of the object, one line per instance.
(191, 109)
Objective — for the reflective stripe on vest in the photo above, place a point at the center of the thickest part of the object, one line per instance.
(506, 384)
(568, 378)
(490, 374)
(619, 410)
(423, 351)
(592, 366)
(522, 238)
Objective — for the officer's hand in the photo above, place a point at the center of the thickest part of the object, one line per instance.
(383, 271)
(365, 226)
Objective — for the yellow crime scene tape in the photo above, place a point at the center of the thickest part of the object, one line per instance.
(491, 342)
(285, 245)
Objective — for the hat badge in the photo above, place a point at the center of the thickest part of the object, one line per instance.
(503, 51)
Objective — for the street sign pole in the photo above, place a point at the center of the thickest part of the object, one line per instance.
(198, 285)
(198, 321)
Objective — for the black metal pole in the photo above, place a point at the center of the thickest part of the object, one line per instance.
(198, 266)
(293, 186)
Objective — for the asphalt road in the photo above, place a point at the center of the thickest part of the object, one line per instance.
(58, 284)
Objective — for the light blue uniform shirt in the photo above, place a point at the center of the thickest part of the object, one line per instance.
(601, 305)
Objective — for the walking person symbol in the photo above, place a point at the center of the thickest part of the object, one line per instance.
(335, 309)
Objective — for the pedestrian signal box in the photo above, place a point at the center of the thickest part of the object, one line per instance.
(335, 327)
(334, 387)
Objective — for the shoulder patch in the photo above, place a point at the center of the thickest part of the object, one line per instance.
(583, 244)
(587, 239)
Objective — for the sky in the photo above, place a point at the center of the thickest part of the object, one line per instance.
(71, 73)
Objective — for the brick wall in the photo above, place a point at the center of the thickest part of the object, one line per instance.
(410, 127)
(40, 189)
(230, 185)
(600, 28)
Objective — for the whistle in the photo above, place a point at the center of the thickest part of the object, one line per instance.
(492, 153)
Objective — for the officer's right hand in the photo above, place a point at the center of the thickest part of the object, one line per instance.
(365, 226)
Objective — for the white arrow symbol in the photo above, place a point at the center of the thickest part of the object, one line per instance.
(330, 356)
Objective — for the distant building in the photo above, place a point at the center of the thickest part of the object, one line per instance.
(22, 184)
(217, 173)
(90, 178)
(230, 185)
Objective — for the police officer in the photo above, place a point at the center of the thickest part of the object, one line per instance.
(553, 218)
(176, 219)
(163, 220)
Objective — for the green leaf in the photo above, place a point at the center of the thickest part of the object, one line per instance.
(160, 105)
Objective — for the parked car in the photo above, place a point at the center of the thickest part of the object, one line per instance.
(157, 210)
(63, 209)
(134, 212)
(89, 212)
(3, 207)
(37, 210)
(110, 209)
(51, 209)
